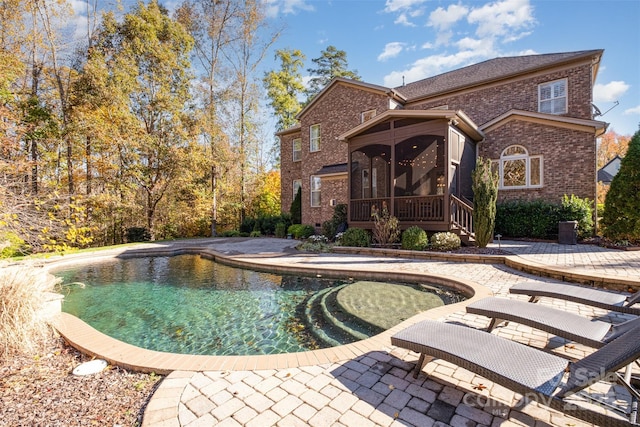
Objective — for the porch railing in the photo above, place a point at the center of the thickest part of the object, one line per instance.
(426, 208)
(361, 209)
(461, 215)
(406, 209)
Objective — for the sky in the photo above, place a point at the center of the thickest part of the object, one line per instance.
(387, 41)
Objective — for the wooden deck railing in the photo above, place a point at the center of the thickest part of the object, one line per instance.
(406, 209)
(461, 215)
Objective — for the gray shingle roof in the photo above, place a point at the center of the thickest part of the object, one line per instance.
(487, 71)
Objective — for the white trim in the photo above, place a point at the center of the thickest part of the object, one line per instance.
(314, 140)
(299, 151)
(552, 96)
(528, 168)
(315, 185)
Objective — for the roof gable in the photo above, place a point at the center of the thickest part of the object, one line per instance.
(490, 71)
(349, 82)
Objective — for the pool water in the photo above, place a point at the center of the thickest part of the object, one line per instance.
(191, 305)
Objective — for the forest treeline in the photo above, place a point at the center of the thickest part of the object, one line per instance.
(144, 124)
(134, 124)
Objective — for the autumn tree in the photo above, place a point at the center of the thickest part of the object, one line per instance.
(330, 64)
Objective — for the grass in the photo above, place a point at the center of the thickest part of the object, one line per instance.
(23, 291)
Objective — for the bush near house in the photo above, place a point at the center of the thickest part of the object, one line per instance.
(301, 231)
(337, 223)
(539, 219)
(414, 238)
(357, 237)
(446, 241)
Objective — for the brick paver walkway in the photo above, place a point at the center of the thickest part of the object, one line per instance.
(376, 388)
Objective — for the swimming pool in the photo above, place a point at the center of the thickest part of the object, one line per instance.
(192, 305)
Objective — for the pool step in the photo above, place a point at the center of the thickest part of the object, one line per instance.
(330, 324)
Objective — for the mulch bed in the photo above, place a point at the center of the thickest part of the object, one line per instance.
(42, 391)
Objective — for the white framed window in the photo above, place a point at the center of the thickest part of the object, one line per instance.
(367, 115)
(552, 97)
(518, 169)
(315, 191)
(314, 138)
(297, 184)
(297, 150)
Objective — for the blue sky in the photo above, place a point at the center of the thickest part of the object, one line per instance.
(388, 39)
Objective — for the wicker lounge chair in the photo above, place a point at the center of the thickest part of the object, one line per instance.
(531, 372)
(594, 333)
(594, 297)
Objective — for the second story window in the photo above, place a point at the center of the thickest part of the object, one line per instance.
(297, 150)
(552, 97)
(314, 138)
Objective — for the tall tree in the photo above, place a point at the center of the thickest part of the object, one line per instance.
(244, 57)
(285, 86)
(621, 217)
(331, 63)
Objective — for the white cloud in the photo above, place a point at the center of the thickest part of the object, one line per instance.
(403, 20)
(391, 50)
(443, 19)
(286, 7)
(507, 19)
(631, 111)
(609, 92)
(400, 5)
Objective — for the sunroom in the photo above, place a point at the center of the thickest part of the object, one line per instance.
(415, 163)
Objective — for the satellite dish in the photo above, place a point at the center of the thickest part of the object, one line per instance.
(596, 110)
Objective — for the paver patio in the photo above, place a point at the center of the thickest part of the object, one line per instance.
(371, 383)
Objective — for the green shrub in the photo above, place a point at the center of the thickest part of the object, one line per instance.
(576, 209)
(357, 237)
(265, 224)
(414, 238)
(230, 233)
(296, 208)
(485, 194)
(255, 233)
(539, 219)
(337, 223)
(11, 245)
(446, 241)
(621, 216)
(281, 230)
(301, 231)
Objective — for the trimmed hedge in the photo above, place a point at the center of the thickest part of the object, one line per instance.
(539, 219)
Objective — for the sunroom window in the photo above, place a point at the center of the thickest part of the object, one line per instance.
(518, 169)
(552, 97)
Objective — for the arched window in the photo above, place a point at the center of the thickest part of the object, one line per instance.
(518, 169)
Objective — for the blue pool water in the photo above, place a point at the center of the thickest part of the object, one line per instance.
(191, 305)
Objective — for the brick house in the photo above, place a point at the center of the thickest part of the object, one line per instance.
(413, 147)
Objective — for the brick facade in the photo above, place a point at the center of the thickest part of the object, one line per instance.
(567, 143)
(337, 110)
